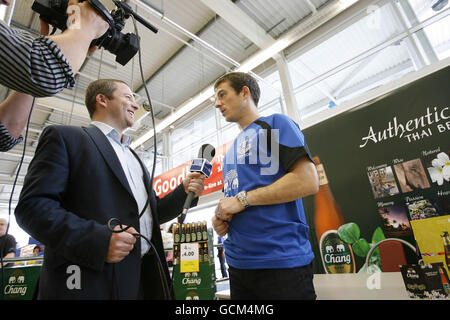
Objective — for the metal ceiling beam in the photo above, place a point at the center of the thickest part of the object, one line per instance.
(401, 68)
(240, 21)
(422, 38)
(357, 70)
(305, 27)
(237, 18)
(186, 32)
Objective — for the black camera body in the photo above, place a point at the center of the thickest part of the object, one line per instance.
(123, 46)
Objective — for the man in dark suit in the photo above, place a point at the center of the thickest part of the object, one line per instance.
(79, 179)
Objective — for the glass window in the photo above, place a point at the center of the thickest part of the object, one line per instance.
(191, 151)
(420, 10)
(373, 51)
(373, 29)
(438, 35)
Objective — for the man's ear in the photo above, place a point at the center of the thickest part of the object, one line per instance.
(246, 92)
(101, 99)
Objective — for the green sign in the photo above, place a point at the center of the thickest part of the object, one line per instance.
(20, 282)
(199, 285)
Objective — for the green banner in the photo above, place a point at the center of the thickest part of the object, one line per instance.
(20, 282)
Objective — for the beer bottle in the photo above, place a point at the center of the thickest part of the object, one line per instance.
(337, 255)
(193, 232)
(200, 252)
(176, 234)
(199, 232)
(446, 240)
(444, 280)
(188, 232)
(183, 233)
(327, 215)
(176, 254)
(204, 231)
(205, 252)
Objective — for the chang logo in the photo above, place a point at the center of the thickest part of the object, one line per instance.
(190, 281)
(16, 286)
(337, 255)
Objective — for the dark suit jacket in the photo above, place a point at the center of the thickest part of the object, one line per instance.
(74, 185)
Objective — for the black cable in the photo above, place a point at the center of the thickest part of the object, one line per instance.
(164, 280)
(11, 196)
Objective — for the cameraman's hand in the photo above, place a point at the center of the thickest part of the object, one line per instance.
(85, 25)
(90, 21)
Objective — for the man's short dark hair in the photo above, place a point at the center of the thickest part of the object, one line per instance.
(101, 86)
(238, 80)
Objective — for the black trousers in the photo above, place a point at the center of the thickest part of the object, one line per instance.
(272, 284)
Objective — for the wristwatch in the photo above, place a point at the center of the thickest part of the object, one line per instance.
(242, 197)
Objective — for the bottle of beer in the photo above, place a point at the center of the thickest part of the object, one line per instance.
(194, 232)
(200, 252)
(188, 232)
(176, 254)
(446, 240)
(199, 231)
(337, 255)
(176, 234)
(205, 252)
(327, 215)
(183, 233)
(204, 231)
(444, 280)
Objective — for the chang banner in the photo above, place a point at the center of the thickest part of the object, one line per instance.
(387, 165)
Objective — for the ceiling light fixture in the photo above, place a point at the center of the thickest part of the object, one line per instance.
(439, 5)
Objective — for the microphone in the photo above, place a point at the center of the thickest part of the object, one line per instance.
(203, 165)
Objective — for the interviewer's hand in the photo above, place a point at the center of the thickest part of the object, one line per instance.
(120, 244)
(194, 182)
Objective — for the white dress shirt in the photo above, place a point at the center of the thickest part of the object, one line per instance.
(135, 176)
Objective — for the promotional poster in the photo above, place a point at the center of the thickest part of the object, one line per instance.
(384, 170)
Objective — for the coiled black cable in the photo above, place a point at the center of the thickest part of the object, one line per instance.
(12, 194)
(164, 282)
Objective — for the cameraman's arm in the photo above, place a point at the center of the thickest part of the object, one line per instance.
(14, 113)
(86, 25)
(39, 66)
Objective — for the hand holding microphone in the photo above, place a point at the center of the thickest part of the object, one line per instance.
(194, 182)
(200, 169)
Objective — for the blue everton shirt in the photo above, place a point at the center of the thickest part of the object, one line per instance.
(271, 236)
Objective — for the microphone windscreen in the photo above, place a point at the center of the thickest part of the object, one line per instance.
(207, 152)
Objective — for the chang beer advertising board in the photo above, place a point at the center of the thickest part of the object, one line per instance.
(20, 283)
(387, 165)
(194, 276)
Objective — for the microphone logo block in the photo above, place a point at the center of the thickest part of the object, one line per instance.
(201, 165)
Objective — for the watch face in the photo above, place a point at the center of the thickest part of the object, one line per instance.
(242, 196)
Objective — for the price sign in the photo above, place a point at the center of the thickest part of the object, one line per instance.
(189, 261)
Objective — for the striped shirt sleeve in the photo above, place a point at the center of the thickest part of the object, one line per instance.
(33, 66)
(7, 142)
